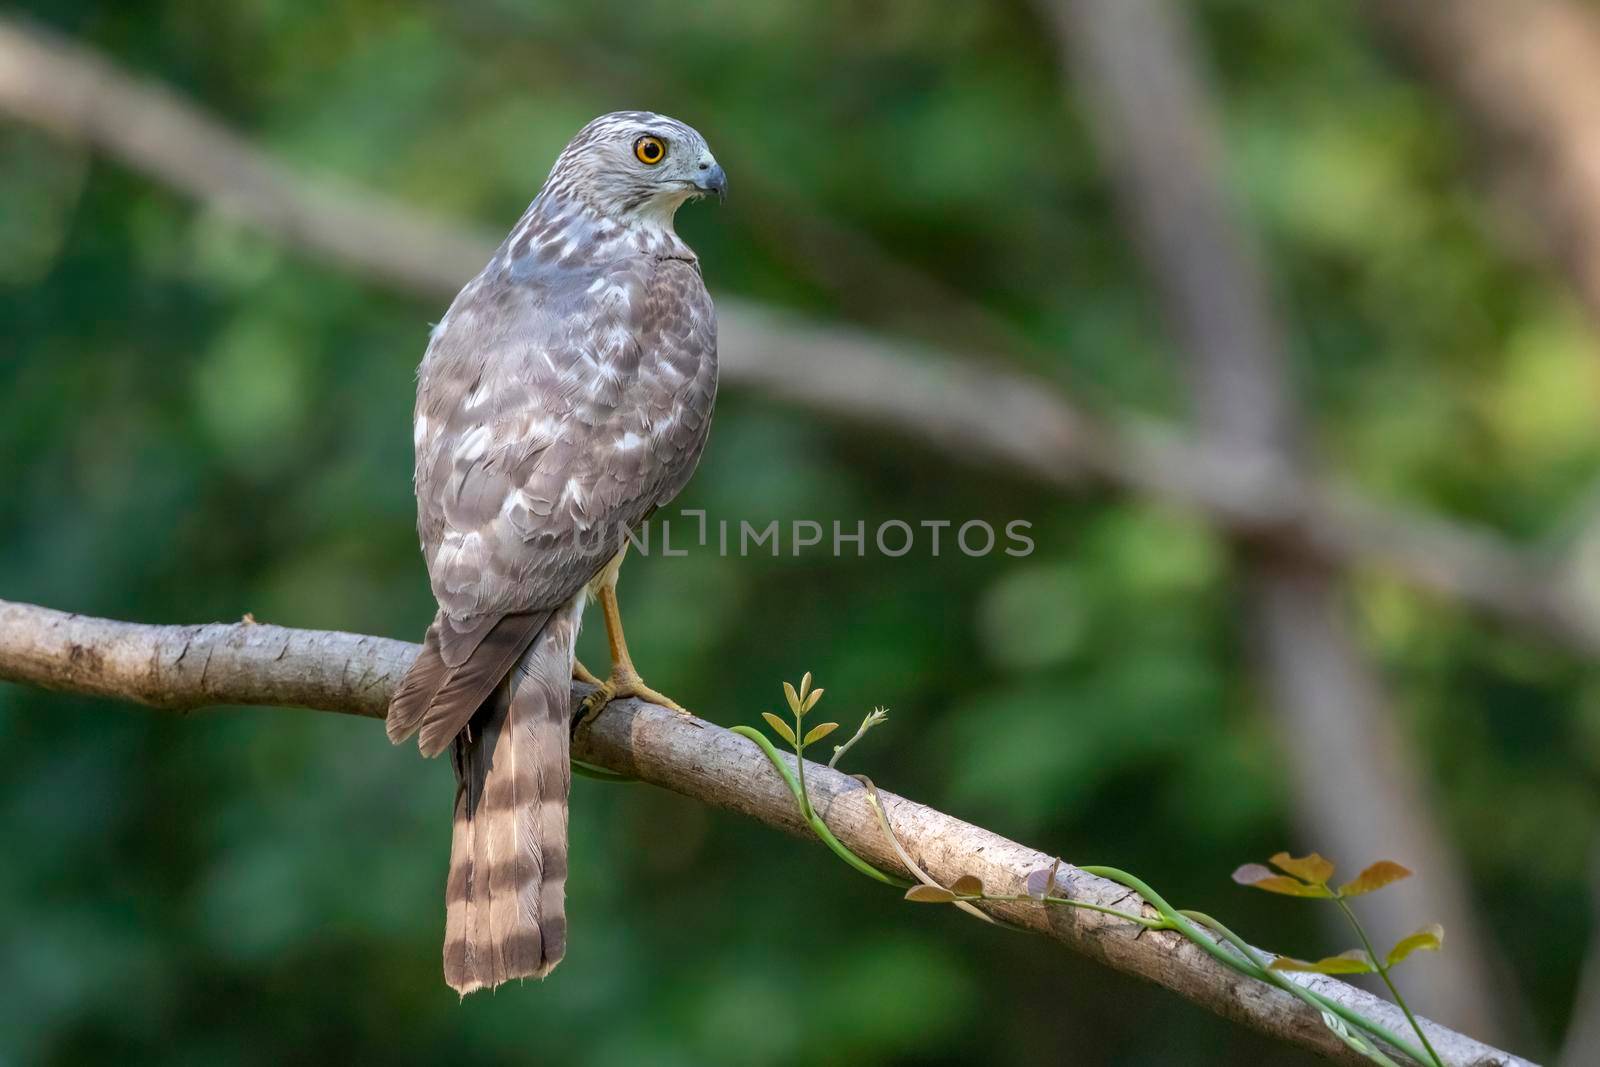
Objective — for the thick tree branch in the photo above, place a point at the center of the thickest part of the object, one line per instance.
(966, 408)
(183, 668)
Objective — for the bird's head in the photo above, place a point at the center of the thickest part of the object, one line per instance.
(636, 166)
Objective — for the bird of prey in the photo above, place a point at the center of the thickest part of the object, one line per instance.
(565, 396)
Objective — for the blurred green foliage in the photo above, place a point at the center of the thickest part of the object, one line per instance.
(195, 423)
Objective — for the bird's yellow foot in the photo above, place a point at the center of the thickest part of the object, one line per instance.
(621, 685)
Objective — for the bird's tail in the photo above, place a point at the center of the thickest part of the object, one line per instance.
(505, 913)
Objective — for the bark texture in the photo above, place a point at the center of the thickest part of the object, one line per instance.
(184, 668)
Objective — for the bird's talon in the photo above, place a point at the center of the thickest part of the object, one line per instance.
(594, 703)
(637, 688)
(622, 685)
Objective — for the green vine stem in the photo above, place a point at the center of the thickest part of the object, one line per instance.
(601, 774)
(1383, 972)
(1243, 960)
(818, 827)
(1251, 966)
(1316, 1000)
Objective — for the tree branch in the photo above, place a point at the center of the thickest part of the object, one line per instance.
(966, 408)
(1354, 782)
(1580, 1045)
(1526, 73)
(182, 668)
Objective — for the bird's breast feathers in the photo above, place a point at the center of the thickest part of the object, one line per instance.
(555, 409)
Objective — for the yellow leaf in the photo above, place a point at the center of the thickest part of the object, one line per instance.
(1312, 868)
(819, 731)
(1350, 961)
(1376, 876)
(968, 885)
(930, 894)
(779, 727)
(792, 697)
(1429, 937)
(811, 701)
(1256, 876)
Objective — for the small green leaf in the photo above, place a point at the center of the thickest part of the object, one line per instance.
(930, 894)
(792, 697)
(968, 885)
(1429, 937)
(1256, 876)
(811, 701)
(805, 685)
(1350, 961)
(779, 727)
(1376, 876)
(1361, 1045)
(1312, 868)
(821, 730)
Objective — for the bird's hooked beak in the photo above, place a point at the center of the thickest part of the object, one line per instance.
(712, 182)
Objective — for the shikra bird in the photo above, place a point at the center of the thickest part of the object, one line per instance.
(565, 395)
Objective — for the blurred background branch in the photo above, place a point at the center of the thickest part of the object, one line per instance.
(183, 668)
(970, 408)
(1357, 783)
(1581, 1045)
(1527, 76)
(1310, 462)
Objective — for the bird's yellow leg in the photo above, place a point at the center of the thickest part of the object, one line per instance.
(583, 674)
(624, 680)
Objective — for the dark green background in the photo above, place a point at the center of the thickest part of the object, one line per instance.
(196, 423)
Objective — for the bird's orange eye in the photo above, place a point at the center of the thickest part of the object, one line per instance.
(649, 150)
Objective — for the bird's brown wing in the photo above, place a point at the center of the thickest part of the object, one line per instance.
(550, 419)
(438, 697)
(553, 414)
(469, 685)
